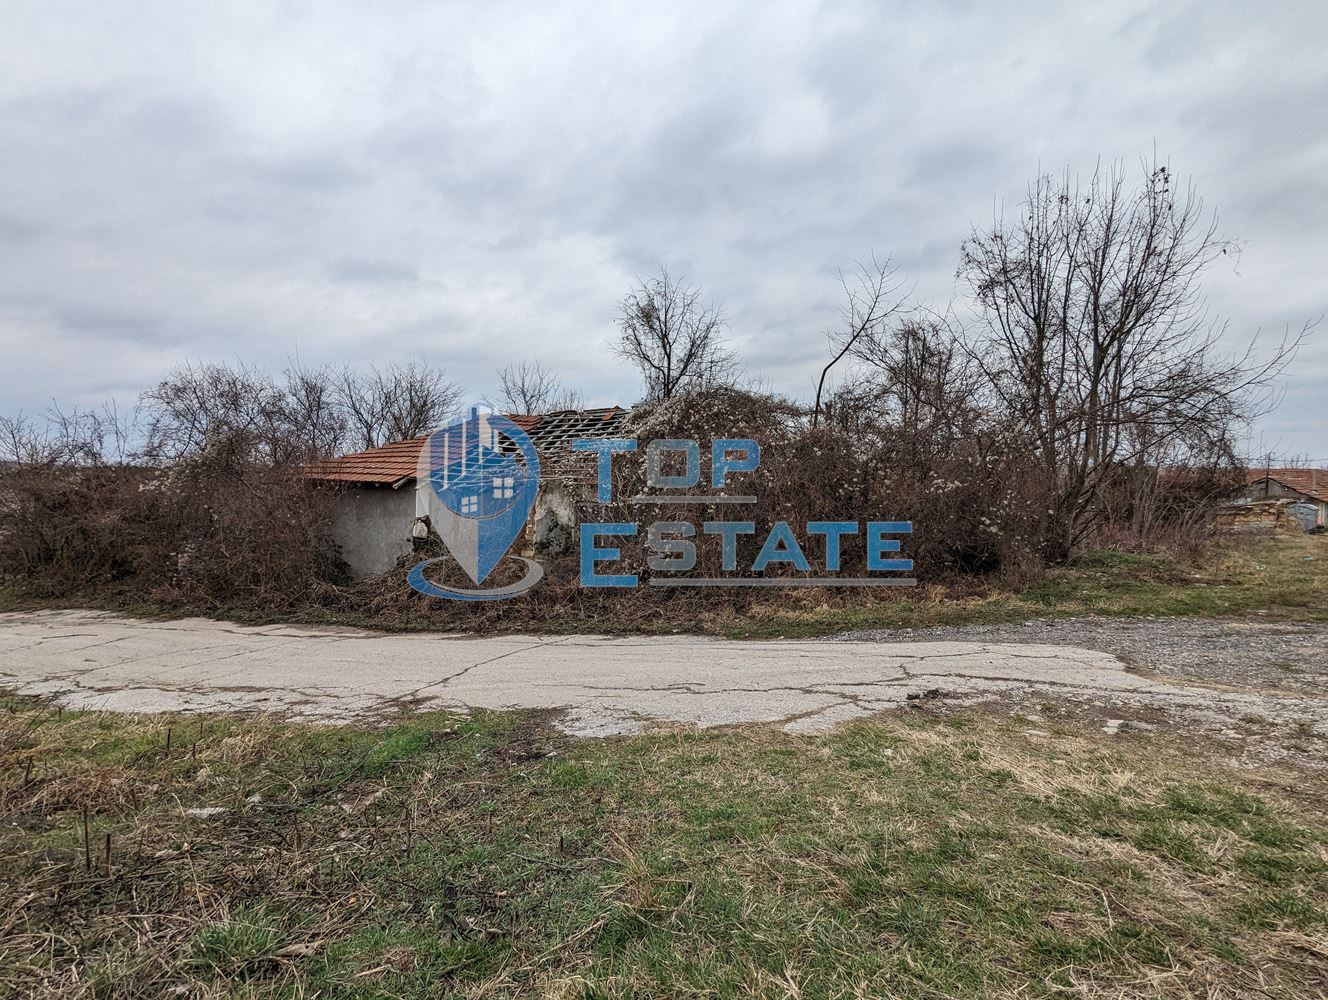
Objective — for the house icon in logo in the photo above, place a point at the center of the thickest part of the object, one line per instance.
(476, 482)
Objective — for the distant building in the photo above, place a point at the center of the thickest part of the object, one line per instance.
(1304, 490)
(375, 512)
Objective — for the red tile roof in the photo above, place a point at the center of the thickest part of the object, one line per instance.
(397, 461)
(388, 464)
(1311, 482)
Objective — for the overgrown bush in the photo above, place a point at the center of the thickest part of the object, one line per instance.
(972, 504)
(225, 527)
(241, 534)
(214, 529)
(975, 507)
(67, 530)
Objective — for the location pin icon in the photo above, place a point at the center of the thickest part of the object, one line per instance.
(477, 480)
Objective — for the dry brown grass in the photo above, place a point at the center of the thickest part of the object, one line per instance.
(490, 857)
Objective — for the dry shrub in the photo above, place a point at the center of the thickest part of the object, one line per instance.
(973, 505)
(198, 499)
(973, 500)
(67, 530)
(1169, 509)
(243, 534)
(215, 529)
(226, 527)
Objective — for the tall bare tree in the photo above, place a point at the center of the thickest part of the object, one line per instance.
(925, 381)
(196, 405)
(394, 403)
(317, 421)
(529, 387)
(303, 415)
(1096, 334)
(871, 297)
(675, 341)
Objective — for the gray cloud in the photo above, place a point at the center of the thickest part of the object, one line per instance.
(346, 269)
(471, 183)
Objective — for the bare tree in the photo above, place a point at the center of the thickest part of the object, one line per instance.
(22, 442)
(673, 340)
(1097, 337)
(196, 405)
(312, 411)
(67, 438)
(926, 383)
(395, 403)
(306, 414)
(528, 387)
(871, 298)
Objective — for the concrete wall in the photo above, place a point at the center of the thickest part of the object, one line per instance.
(1273, 490)
(1307, 514)
(372, 526)
(552, 527)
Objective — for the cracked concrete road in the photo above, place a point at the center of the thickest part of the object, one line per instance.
(98, 660)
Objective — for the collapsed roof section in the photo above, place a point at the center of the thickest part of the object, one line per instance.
(395, 464)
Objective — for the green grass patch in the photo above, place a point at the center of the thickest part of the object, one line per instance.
(1286, 576)
(489, 856)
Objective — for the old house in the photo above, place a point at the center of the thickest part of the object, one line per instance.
(1304, 490)
(376, 509)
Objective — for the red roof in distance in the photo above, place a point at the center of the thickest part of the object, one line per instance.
(1311, 482)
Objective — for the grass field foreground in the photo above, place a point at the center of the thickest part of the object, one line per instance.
(490, 856)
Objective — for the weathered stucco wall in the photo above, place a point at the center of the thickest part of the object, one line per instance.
(1273, 490)
(552, 529)
(372, 526)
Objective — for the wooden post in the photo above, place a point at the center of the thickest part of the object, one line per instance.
(87, 841)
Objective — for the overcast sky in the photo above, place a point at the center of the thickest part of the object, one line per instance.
(473, 183)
